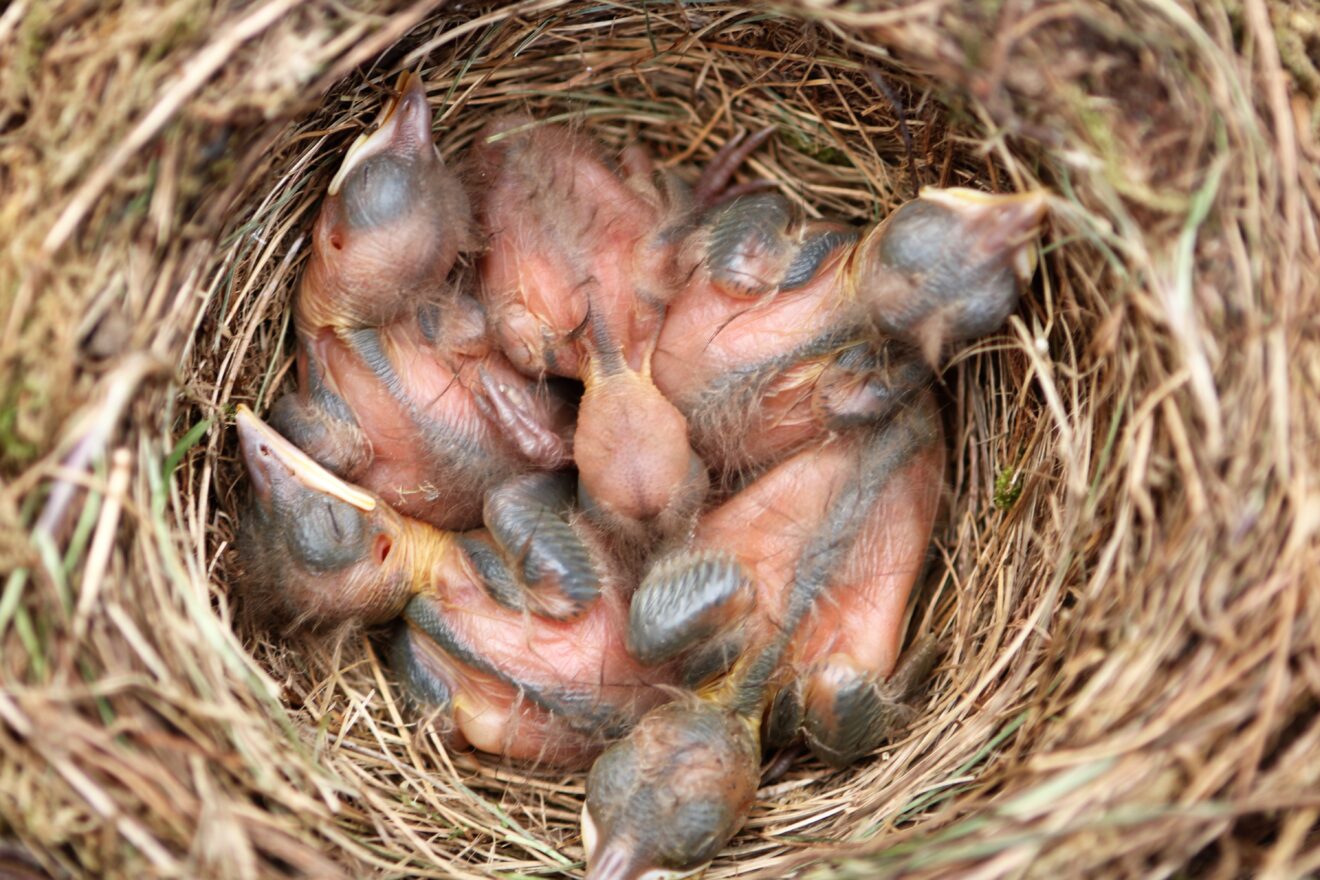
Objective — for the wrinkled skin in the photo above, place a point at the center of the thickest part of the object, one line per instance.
(402, 389)
(799, 351)
(579, 268)
(787, 614)
(789, 329)
(331, 552)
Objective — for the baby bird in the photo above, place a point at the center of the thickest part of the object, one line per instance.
(797, 585)
(788, 328)
(332, 552)
(578, 272)
(401, 388)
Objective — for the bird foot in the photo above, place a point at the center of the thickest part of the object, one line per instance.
(713, 186)
(511, 409)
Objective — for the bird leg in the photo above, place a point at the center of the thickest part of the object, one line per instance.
(508, 407)
(713, 185)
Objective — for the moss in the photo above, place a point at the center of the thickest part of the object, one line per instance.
(16, 449)
(1007, 488)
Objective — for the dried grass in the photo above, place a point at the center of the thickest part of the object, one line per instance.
(1132, 676)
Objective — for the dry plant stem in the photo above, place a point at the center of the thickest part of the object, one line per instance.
(1125, 576)
(89, 434)
(98, 554)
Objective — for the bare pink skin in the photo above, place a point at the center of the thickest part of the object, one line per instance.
(829, 543)
(709, 333)
(768, 524)
(330, 553)
(758, 346)
(631, 448)
(586, 655)
(568, 238)
(370, 267)
(579, 268)
(436, 413)
(441, 419)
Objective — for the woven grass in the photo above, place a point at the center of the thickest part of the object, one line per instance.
(1125, 579)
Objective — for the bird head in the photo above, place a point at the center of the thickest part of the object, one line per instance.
(392, 225)
(315, 548)
(947, 266)
(662, 802)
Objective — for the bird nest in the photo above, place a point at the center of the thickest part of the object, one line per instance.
(1119, 578)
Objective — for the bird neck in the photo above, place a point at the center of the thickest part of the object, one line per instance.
(425, 549)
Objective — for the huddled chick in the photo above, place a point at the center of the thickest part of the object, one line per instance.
(703, 548)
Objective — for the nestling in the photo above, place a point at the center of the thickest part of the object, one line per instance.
(511, 684)
(788, 329)
(797, 587)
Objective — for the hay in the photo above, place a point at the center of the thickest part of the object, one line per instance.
(1132, 673)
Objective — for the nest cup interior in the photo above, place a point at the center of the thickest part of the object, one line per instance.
(682, 82)
(1129, 680)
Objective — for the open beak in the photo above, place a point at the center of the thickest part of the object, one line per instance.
(1000, 224)
(272, 460)
(405, 126)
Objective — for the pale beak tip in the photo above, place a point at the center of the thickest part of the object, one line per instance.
(404, 124)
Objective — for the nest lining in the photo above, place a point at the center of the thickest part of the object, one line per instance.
(1120, 580)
